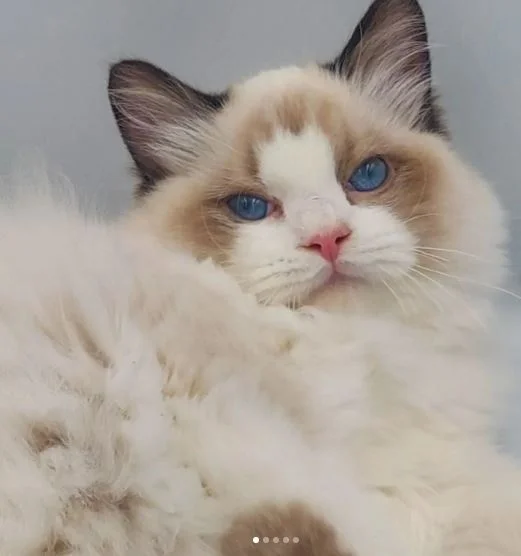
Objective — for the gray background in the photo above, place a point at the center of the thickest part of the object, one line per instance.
(54, 56)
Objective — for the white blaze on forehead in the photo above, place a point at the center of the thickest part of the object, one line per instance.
(293, 165)
(299, 170)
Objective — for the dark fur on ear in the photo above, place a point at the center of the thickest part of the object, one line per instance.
(388, 57)
(161, 119)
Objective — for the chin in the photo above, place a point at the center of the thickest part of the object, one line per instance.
(331, 291)
(349, 294)
(335, 296)
(334, 293)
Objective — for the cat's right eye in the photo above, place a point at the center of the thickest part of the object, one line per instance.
(370, 175)
(249, 207)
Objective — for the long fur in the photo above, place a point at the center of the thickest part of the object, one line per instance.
(184, 382)
(137, 415)
(147, 402)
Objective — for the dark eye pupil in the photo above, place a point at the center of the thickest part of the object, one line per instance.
(370, 170)
(247, 203)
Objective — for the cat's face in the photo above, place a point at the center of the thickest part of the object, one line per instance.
(306, 183)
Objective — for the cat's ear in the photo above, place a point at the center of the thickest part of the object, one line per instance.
(162, 120)
(388, 58)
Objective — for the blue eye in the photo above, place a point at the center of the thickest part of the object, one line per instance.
(249, 207)
(370, 175)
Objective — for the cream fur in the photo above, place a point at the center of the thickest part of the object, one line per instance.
(148, 399)
(143, 400)
(413, 399)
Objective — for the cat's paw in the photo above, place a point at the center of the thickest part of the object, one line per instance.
(275, 530)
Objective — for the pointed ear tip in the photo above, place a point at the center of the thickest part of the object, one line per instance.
(416, 7)
(413, 6)
(117, 71)
(416, 4)
(121, 65)
(128, 67)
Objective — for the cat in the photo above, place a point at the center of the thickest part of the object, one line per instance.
(334, 190)
(285, 340)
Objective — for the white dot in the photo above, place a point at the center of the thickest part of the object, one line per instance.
(265, 540)
(256, 540)
(296, 540)
(275, 540)
(285, 540)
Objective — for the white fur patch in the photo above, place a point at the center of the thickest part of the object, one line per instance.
(302, 164)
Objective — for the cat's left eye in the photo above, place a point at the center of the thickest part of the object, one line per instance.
(370, 175)
(249, 207)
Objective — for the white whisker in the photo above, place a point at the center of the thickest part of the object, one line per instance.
(418, 216)
(427, 293)
(454, 252)
(431, 256)
(472, 282)
(450, 294)
(396, 296)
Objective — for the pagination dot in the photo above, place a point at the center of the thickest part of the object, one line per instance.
(276, 540)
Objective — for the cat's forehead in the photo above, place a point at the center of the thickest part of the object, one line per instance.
(297, 163)
(278, 81)
(292, 98)
(298, 127)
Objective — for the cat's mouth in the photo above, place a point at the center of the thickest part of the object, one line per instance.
(339, 279)
(336, 284)
(336, 279)
(328, 279)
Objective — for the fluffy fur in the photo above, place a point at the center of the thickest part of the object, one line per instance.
(179, 405)
(145, 410)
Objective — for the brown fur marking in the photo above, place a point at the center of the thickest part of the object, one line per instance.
(315, 537)
(43, 436)
(57, 547)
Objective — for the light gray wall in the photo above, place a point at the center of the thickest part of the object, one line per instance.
(54, 57)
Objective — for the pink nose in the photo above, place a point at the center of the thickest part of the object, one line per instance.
(329, 243)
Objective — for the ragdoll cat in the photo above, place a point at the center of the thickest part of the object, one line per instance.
(323, 382)
(335, 187)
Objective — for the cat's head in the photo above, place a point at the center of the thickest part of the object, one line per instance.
(314, 182)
